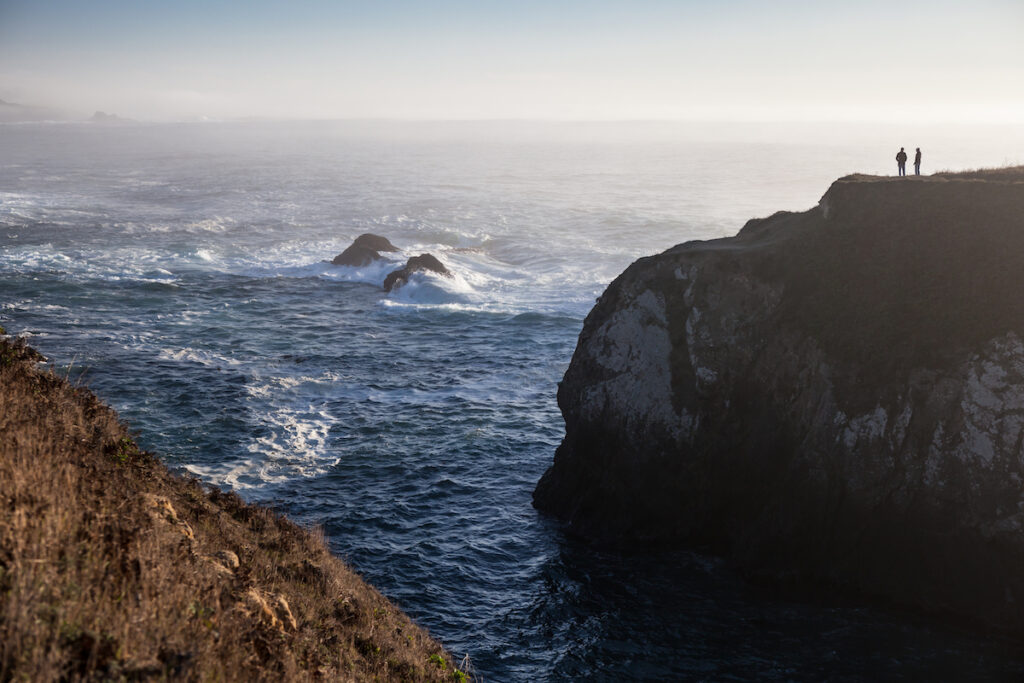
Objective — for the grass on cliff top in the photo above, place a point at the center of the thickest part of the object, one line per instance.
(1009, 173)
(112, 568)
(997, 174)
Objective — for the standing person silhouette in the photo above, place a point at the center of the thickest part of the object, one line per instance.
(901, 161)
(917, 162)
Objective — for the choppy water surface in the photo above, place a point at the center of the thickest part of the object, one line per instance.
(181, 270)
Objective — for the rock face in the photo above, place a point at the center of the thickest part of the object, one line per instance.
(423, 262)
(832, 396)
(364, 251)
(356, 256)
(375, 242)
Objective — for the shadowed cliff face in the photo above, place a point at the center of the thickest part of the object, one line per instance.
(835, 395)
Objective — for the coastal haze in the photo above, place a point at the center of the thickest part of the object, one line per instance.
(921, 61)
(175, 257)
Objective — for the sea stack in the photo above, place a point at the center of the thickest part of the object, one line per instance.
(364, 250)
(834, 396)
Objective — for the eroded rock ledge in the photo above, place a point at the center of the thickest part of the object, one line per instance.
(833, 396)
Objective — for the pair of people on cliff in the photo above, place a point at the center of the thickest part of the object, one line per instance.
(901, 162)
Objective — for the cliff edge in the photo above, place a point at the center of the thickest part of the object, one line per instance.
(113, 568)
(830, 396)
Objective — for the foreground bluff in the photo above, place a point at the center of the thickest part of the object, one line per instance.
(833, 396)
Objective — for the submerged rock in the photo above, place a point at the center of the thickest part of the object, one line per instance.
(364, 251)
(423, 262)
(831, 396)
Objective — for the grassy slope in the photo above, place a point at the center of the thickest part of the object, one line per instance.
(112, 568)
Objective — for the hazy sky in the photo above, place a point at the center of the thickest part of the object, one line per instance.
(872, 60)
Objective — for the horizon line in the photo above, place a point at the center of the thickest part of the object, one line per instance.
(117, 119)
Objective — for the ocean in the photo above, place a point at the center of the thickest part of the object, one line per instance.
(182, 272)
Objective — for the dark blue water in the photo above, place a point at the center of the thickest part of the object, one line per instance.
(180, 272)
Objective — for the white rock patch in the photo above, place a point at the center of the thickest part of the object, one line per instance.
(634, 344)
(993, 403)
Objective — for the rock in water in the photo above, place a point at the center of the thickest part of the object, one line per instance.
(833, 396)
(375, 242)
(356, 256)
(363, 250)
(424, 262)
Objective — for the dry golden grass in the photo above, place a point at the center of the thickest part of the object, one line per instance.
(112, 568)
(1008, 173)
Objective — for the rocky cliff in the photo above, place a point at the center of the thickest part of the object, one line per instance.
(832, 396)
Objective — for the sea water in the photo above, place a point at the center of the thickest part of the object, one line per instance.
(182, 271)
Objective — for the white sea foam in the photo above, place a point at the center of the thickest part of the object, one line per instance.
(491, 308)
(206, 255)
(373, 273)
(271, 387)
(207, 358)
(432, 288)
(295, 446)
(114, 264)
(216, 224)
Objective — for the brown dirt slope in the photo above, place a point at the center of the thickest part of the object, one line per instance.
(113, 568)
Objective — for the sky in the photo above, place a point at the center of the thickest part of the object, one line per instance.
(728, 60)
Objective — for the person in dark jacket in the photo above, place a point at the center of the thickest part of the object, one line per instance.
(917, 162)
(901, 161)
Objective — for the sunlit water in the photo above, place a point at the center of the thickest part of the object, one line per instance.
(182, 271)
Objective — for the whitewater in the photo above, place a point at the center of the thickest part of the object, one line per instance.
(182, 271)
